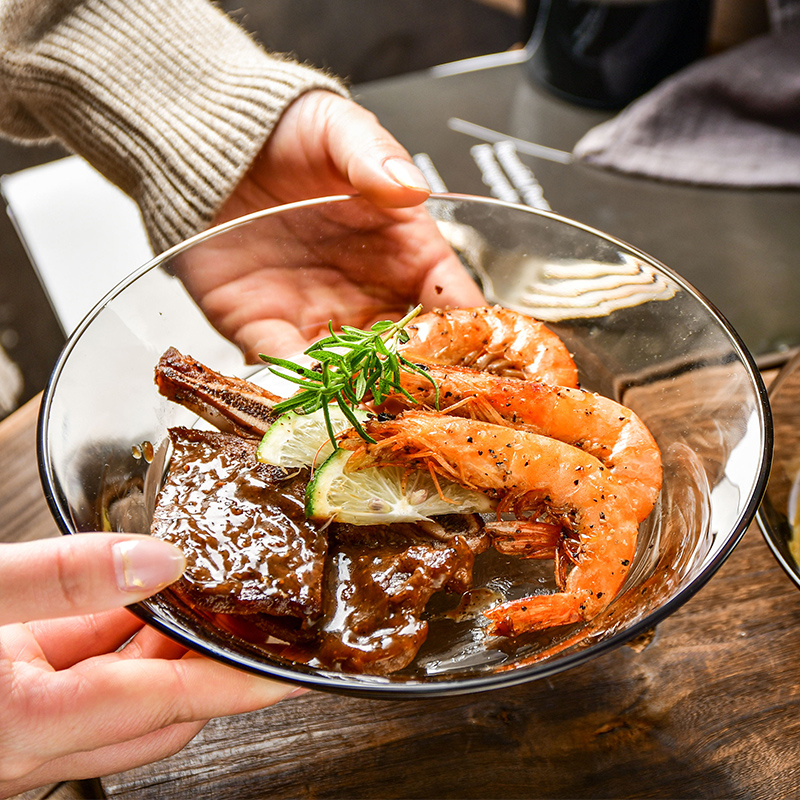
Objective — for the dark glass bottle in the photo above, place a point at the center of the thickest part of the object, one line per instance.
(606, 53)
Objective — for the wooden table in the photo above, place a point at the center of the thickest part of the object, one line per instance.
(710, 708)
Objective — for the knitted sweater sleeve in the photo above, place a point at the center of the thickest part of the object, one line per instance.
(171, 101)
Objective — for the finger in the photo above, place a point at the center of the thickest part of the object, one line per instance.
(66, 641)
(274, 337)
(149, 643)
(106, 760)
(135, 697)
(373, 161)
(139, 640)
(449, 284)
(83, 574)
(146, 749)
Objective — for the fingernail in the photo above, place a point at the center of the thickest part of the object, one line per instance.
(147, 564)
(406, 174)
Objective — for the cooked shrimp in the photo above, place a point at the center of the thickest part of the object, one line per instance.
(494, 339)
(596, 424)
(530, 474)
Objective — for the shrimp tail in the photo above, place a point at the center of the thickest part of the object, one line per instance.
(525, 539)
(535, 613)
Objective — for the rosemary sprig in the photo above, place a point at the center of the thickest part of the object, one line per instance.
(352, 364)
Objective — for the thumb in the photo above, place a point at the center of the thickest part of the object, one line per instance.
(373, 161)
(83, 574)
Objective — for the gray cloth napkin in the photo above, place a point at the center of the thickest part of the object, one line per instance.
(728, 120)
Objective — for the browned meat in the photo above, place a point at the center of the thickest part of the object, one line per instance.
(378, 582)
(230, 404)
(249, 547)
(257, 568)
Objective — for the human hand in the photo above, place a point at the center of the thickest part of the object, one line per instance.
(325, 145)
(87, 688)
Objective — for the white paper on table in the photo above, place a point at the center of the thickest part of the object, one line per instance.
(83, 235)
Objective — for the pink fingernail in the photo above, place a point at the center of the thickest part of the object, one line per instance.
(146, 565)
(406, 174)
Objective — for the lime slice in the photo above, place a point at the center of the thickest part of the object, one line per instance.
(376, 495)
(301, 440)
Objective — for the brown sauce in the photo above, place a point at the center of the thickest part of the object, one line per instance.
(248, 545)
(352, 598)
(376, 592)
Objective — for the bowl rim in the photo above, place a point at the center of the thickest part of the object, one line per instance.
(790, 567)
(344, 683)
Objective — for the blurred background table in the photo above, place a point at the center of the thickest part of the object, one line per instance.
(707, 708)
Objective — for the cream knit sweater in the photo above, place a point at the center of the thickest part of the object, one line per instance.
(169, 99)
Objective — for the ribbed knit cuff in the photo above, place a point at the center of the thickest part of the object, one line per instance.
(171, 101)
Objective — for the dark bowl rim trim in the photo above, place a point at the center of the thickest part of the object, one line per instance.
(790, 567)
(371, 686)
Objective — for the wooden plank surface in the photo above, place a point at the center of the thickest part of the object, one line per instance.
(24, 510)
(709, 709)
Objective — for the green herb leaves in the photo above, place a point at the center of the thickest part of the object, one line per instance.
(352, 365)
